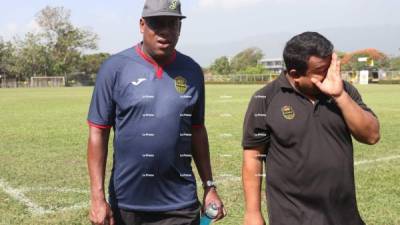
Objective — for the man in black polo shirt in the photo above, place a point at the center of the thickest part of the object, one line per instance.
(302, 124)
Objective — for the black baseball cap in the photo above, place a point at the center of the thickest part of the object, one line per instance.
(162, 8)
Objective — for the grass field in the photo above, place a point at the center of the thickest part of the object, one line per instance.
(43, 174)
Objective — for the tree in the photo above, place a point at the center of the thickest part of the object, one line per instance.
(257, 69)
(340, 54)
(32, 58)
(90, 64)
(247, 58)
(395, 63)
(221, 66)
(354, 64)
(350, 60)
(383, 63)
(7, 57)
(56, 49)
(65, 41)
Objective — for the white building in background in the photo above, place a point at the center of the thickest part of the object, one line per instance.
(276, 65)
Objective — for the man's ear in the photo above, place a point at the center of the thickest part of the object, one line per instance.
(294, 74)
(141, 25)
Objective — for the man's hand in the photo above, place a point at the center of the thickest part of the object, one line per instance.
(101, 213)
(253, 218)
(210, 197)
(332, 85)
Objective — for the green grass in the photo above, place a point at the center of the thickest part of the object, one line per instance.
(43, 145)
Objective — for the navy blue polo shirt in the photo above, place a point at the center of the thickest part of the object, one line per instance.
(152, 110)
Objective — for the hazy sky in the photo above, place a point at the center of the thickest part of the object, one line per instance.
(209, 21)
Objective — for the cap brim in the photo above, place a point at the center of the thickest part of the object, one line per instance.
(163, 14)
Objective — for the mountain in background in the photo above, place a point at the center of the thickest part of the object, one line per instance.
(384, 38)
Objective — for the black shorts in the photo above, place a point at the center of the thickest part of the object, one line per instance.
(187, 216)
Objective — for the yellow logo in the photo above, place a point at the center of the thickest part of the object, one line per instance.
(174, 4)
(288, 112)
(180, 84)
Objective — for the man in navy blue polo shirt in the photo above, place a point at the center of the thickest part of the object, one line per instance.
(153, 98)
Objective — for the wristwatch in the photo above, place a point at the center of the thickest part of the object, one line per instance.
(209, 184)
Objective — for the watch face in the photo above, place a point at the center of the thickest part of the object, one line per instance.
(210, 183)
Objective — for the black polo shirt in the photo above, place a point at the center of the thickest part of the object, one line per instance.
(309, 163)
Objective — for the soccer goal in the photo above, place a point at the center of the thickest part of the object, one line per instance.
(47, 81)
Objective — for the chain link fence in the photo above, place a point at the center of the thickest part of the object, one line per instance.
(384, 77)
(381, 77)
(240, 78)
(71, 80)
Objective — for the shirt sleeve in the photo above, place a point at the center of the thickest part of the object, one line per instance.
(199, 108)
(102, 107)
(255, 129)
(355, 95)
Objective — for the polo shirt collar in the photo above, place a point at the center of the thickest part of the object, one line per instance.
(284, 82)
(158, 68)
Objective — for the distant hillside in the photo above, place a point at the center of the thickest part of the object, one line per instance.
(383, 38)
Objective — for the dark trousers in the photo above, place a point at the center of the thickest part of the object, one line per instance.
(187, 216)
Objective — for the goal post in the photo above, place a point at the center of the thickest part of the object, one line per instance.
(47, 82)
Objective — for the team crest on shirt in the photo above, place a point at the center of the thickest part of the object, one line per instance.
(180, 84)
(288, 112)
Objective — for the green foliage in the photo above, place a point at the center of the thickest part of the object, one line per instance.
(340, 54)
(221, 66)
(7, 57)
(31, 57)
(257, 69)
(245, 62)
(394, 63)
(56, 50)
(90, 64)
(65, 41)
(355, 65)
(246, 58)
(383, 63)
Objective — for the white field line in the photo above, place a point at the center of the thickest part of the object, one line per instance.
(35, 209)
(227, 178)
(18, 194)
(377, 160)
(70, 208)
(50, 189)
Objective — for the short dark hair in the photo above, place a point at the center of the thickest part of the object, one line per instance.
(300, 48)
